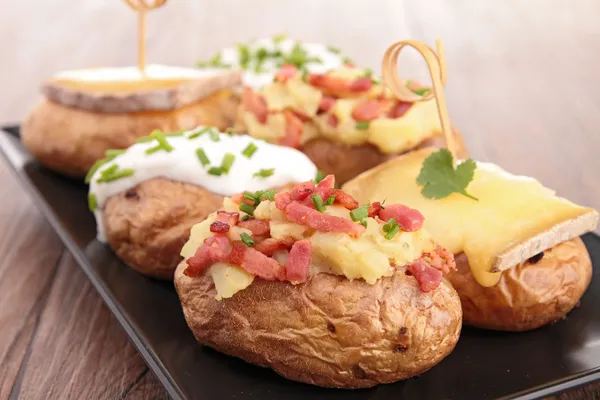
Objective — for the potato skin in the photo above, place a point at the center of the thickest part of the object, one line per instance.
(528, 295)
(347, 162)
(329, 331)
(70, 140)
(148, 225)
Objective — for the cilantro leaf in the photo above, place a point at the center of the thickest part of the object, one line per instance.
(439, 178)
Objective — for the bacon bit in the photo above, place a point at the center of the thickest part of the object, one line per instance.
(409, 219)
(298, 264)
(399, 109)
(286, 72)
(230, 218)
(256, 226)
(333, 120)
(304, 215)
(361, 85)
(301, 116)
(302, 190)
(255, 104)
(327, 103)
(428, 277)
(293, 130)
(219, 227)
(441, 259)
(326, 183)
(374, 209)
(269, 246)
(282, 200)
(368, 110)
(214, 249)
(256, 263)
(345, 199)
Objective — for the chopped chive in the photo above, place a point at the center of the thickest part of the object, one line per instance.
(334, 49)
(318, 202)
(246, 239)
(389, 225)
(247, 208)
(144, 139)
(229, 131)
(320, 176)
(249, 151)
(264, 173)
(216, 171)
(202, 157)
(116, 175)
(227, 162)
(112, 153)
(153, 150)
(199, 132)
(160, 138)
(92, 202)
(279, 38)
(110, 170)
(392, 232)
(368, 72)
(214, 135)
(330, 200)
(268, 195)
(249, 196)
(92, 171)
(347, 60)
(362, 125)
(244, 55)
(421, 91)
(364, 222)
(359, 213)
(304, 75)
(245, 217)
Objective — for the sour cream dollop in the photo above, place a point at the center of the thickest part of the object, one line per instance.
(183, 164)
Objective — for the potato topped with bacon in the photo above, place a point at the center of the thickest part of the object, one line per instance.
(319, 288)
(340, 117)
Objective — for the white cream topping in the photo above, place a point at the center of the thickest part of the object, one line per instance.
(230, 56)
(131, 74)
(182, 164)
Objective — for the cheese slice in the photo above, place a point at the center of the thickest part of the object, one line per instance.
(515, 218)
(126, 89)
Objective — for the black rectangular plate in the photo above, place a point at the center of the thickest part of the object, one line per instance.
(483, 365)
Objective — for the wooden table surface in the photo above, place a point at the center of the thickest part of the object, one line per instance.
(523, 88)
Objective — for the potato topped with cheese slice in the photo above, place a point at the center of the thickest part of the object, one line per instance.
(318, 288)
(514, 230)
(345, 120)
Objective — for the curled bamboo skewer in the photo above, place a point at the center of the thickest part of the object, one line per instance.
(437, 69)
(142, 7)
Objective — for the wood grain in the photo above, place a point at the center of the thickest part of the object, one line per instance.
(522, 86)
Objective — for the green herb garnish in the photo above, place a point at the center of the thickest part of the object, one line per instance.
(112, 153)
(244, 55)
(92, 202)
(304, 75)
(249, 151)
(320, 176)
(163, 144)
(245, 218)
(113, 173)
(264, 173)
(360, 213)
(392, 232)
(95, 167)
(347, 60)
(368, 73)
(144, 139)
(334, 49)
(421, 91)
(389, 224)
(214, 61)
(330, 200)
(279, 38)
(267, 195)
(216, 171)
(249, 196)
(247, 208)
(227, 162)
(439, 178)
(202, 157)
(364, 222)
(362, 125)
(247, 239)
(214, 135)
(318, 202)
(199, 133)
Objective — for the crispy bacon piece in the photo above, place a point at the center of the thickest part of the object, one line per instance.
(214, 249)
(374, 209)
(302, 190)
(255, 104)
(368, 110)
(409, 219)
(256, 263)
(327, 103)
(269, 246)
(230, 218)
(339, 87)
(345, 199)
(293, 130)
(301, 116)
(428, 277)
(282, 200)
(333, 120)
(286, 72)
(304, 215)
(361, 85)
(258, 227)
(219, 227)
(298, 264)
(399, 109)
(441, 259)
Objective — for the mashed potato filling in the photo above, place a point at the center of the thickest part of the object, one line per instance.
(369, 257)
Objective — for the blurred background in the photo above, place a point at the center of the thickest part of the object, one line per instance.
(520, 73)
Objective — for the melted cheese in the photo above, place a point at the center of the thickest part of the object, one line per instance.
(510, 209)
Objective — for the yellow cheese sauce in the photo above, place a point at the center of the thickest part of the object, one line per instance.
(389, 135)
(510, 209)
(367, 257)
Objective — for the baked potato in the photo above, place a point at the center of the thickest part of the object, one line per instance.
(146, 216)
(315, 296)
(529, 295)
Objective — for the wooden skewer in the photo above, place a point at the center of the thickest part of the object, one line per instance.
(437, 70)
(142, 7)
